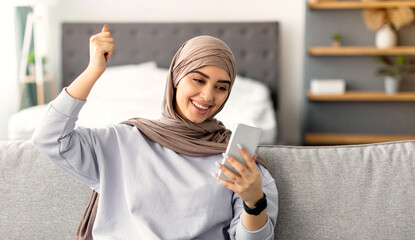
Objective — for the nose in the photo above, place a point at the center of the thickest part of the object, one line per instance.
(207, 94)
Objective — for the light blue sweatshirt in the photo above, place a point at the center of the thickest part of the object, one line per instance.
(146, 191)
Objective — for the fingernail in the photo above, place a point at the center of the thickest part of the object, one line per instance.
(218, 164)
(213, 174)
(105, 25)
(225, 155)
(239, 146)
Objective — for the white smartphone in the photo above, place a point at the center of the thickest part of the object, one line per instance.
(248, 137)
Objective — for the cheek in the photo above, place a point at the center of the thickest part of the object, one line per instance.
(183, 93)
(179, 97)
(221, 99)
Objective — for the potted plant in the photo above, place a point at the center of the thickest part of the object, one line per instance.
(31, 63)
(336, 40)
(393, 69)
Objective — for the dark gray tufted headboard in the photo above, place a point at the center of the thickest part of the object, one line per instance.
(254, 44)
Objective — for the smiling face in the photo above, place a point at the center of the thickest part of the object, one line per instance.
(201, 92)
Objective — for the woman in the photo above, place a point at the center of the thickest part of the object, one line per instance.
(153, 177)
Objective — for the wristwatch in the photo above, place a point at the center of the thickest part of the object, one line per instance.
(258, 208)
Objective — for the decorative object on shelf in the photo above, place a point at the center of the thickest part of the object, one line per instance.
(327, 86)
(336, 40)
(392, 84)
(386, 22)
(393, 69)
(386, 37)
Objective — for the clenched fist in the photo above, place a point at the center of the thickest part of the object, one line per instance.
(101, 47)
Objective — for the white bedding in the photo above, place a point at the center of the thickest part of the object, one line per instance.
(129, 91)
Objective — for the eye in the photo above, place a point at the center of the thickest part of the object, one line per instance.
(198, 80)
(221, 88)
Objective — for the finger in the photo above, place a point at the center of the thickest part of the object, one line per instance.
(109, 55)
(105, 28)
(255, 155)
(98, 39)
(103, 38)
(236, 164)
(104, 47)
(232, 176)
(248, 159)
(108, 48)
(227, 184)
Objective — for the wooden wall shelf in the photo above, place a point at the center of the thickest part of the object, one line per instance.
(350, 138)
(32, 79)
(363, 96)
(360, 4)
(360, 51)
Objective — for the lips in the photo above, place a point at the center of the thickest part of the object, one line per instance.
(201, 107)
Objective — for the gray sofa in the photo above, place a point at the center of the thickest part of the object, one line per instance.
(342, 192)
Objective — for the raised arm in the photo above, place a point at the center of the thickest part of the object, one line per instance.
(101, 47)
(77, 151)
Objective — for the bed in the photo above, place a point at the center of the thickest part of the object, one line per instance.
(133, 84)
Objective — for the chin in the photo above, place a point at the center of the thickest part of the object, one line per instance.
(198, 120)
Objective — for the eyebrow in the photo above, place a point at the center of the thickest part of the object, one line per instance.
(206, 76)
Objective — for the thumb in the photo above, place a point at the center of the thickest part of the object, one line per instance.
(105, 28)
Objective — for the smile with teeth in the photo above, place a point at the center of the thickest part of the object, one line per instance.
(201, 107)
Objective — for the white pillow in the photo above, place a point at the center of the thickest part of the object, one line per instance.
(124, 92)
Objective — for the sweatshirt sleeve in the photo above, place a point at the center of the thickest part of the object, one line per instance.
(238, 232)
(75, 151)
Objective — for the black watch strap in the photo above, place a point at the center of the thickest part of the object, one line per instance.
(258, 208)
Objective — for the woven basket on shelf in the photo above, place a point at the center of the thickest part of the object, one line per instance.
(398, 17)
(375, 18)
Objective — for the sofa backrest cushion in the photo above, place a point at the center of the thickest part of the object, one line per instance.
(344, 192)
(37, 200)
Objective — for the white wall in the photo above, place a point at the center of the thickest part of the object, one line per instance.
(8, 68)
(290, 14)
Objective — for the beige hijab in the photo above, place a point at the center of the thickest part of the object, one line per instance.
(181, 135)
